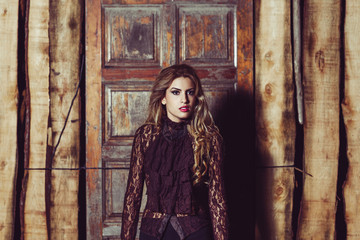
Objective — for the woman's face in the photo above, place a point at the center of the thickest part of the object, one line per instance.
(180, 99)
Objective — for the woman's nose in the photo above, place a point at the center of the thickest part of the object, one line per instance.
(184, 98)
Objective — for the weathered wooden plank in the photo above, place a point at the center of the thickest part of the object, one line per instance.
(275, 123)
(207, 74)
(65, 34)
(93, 119)
(133, 1)
(296, 16)
(35, 225)
(8, 114)
(351, 113)
(245, 42)
(321, 64)
(169, 36)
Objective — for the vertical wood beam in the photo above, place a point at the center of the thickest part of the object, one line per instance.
(35, 221)
(8, 114)
(245, 43)
(321, 70)
(296, 16)
(351, 113)
(93, 118)
(275, 120)
(65, 35)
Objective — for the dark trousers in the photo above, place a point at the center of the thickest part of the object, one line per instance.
(171, 234)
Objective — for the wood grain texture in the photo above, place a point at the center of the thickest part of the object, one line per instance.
(351, 113)
(275, 123)
(321, 64)
(296, 17)
(245, 43)
(93, 118)
(169, 36)
(206, 35)
(132, 36)
(65, 34)
(35, 225)
(8, 114)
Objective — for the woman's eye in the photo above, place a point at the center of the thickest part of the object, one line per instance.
(191, 92)
(175, 92)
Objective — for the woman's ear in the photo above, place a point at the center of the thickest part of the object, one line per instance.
(163, 101)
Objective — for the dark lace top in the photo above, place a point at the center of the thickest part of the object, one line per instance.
(164, 157)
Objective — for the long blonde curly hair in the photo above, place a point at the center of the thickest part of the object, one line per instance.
(201, 126)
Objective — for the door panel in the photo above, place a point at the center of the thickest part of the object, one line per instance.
(125, 108)
(127, 44)
(206, 34)
(132, 36)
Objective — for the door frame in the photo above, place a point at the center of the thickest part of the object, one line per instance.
(93, 121)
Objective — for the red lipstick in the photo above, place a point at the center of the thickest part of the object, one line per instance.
(184, 109)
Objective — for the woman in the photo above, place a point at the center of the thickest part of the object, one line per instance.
(177, 152)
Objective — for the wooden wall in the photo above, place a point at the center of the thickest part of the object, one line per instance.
(47, 201)
(326, 200)
(327, 155)
(8, 114)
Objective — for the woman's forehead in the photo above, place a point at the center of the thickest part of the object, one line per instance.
(182, 83)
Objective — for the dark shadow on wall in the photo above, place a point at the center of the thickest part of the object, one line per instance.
(21, 118)
(235, 120)
(82, 160)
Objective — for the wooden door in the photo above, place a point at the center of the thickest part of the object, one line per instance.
(127, 43)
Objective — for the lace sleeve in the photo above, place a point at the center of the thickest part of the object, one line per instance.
(217, 202)
(133, 195)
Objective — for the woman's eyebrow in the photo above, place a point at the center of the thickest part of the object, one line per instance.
(178, 89)
(174, 88)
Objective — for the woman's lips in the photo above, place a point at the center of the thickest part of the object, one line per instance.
(185, 109)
